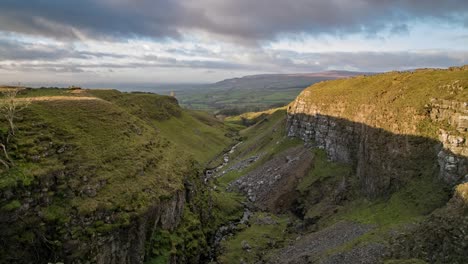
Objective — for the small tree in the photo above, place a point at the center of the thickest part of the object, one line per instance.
(10, 106)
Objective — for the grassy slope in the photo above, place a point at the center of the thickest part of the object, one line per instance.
(194, 132)
(118, 155)
(401, 89)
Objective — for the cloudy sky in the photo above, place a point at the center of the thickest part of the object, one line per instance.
(108, 42)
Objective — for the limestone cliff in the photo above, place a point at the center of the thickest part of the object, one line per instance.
(390, 127)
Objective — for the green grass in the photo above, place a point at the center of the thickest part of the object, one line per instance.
(148, 107)
(229, 177)
(227, 206)
(201, 140)
(13, 205)
(415, 200)
(194, 132)
(261, 237)
(263, 136)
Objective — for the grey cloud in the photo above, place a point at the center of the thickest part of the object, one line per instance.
(144, 63)
(17, 51)
(281, 61)
(399, 29)
(244, 20)
(370, 61)
(97, 18)
(265, 19)
(196, 51)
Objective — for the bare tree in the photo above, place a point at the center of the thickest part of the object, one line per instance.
(10, 106)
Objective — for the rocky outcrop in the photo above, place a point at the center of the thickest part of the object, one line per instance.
(272, 185)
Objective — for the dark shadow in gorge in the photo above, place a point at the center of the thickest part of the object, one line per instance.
(382, 161)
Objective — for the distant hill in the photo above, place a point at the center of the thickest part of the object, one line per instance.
(281, 80)
(254, 92)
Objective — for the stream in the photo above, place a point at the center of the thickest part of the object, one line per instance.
(229, 228)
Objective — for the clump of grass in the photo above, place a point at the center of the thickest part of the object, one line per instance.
(259, 236)
(322, 170)
(227, 206)
(13, 205)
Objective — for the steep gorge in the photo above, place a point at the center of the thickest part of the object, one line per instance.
(358, 170)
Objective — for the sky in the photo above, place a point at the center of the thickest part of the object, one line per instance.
(136, 42)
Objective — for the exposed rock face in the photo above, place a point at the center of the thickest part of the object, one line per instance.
(127, 245)
(383, 157)
(451, 159)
